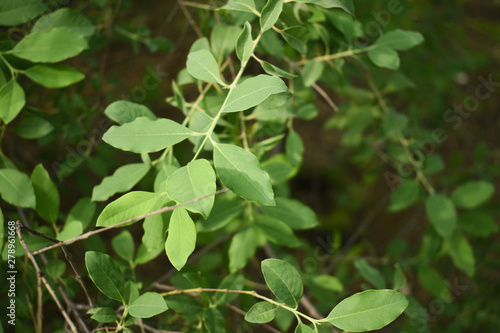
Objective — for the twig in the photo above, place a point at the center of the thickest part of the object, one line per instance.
(134, 219)
(42, 278)
(190, 18)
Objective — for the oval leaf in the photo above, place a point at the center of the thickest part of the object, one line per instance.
(384, 56)
(303, 328)
(262, 312)
(203, 66)
(47, 195)
(12, 100)
(105, 274)
(472, 194)
(123, 244)
(181, 238)
(15, 12)
(125, 112)
(122, 180)
(16, 188)
(276, 231)
(54, 76)
(148, 305)
(442, 214)
(404, 196)
(400, 39)
(293, 212)
(33, 128)
(283, 280)
(244, 44)
(65, 18)
(270, 14)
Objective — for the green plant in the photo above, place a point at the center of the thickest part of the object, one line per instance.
(257, 69)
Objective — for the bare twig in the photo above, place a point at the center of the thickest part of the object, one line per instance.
(190, 19)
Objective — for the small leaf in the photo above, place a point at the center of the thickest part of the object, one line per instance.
(405, 195)
(433, 281)
(234, 281)
(303, 328)
(130, 205)
(400, 39)
(240, 171)
(241, 5)
(155, 229)
(16, 188)
(276, 231)
(242, 248)
(370, 273)
(71, 230)
(270, 14)
(50, 46)
(368, 310)
(15, 12)
(223, 212)
(472, 194)
(122, 180)
(33, 128)
(148, 305)
(65, 18)
(55, 268)
(292, 212)
(384, 56)
(223, 40)
(184, 304)
(276, 71)
(144, 135)
(203, 66)
(125, 112)
(346, 5)
(123, 244)
(54, 76)
(461, 253)
(297, 37)
(192, 181)
(261, 312)
(244, 44)
(328, 282)
(312, 72)
(442, 214)
(181, 238)
(12, 100)
(47, 195)
(131, 292)
(105, 274)
(104, 315)
(283, 280)
(294, 149)
(213, 320)
(399, 280)
(477, 224)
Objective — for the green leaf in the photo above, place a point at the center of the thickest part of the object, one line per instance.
(47, 195)
(312, 72)
(203, 66)
(144, 135)
(270, 14)
(15, 12)
(12, 100)
(83, 212)
(252, 92)
(244, 44)
(283, 280)
(143, 255)
(276, 231)
(148, 305)
(122, 180)
(462, 253)
(155, 229)
(472, 194)
(242, 248)
(104, 315)
(2, 229)
(71, 229)
(404, 196)
(241, 5)
(50, 46)
(239, 170)
(213, 321)
(303, 328)
(16, 188)
(368, 310)
(55, 268)
(130, 205)
(105, 274)
(328, 282)
(400, 39)
(442, 214)
(292, 212)
(261, 312)
(433, 281)
(125, 112)
(65, 18)
(399, 279)
(276, 71)
(394, 123)
(346, 5)
(294, 148)
(181, 238)
(33, 128)
(223, 212)
(131, 292)
(54, 76)
(123, 244)
(223, 40)
(370, 273)
(183, 304)
(477, 224)
(297, 37)
(234, 281)
(384, 56)
(192, 181)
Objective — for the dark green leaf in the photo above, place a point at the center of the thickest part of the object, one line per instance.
(262, 312)
(105, 274)
(15, 12)
(297, 37)
(16, 188)
(283, 280)
(65, 18)
(472, 194)
(47, 195)
(405, 195)
(104, 315)
(276, 231)
(242, 248)
(234, 281)
(54, 76)
(12, 100)
(478, 224)
(442, 214)
(370, 273)
(33, 128)
(461, 253)
(292, 212)
(400, 39)
(276, 71)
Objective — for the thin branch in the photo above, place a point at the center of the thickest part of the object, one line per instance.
(134, 219)
(190, 19)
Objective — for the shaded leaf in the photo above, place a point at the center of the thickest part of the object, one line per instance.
(384, 56)
(16, 188)
(105, 274)
(283, 280)
(54, 76)
(472, 194)
(442, 214)
(47, 195)
(261, 312)
(125, 112)
(122, 180)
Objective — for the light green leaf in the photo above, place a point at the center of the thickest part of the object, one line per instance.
(276, 231)
(370, 273)
(33, 128)
(83, 211)
(192, 181)
(144, 135)
(65, 18)
(368, 310)
(12, 100)
(400, 39)
(442, 214)
(283, 280)
(384, 56)
(234, 281)
(155, 229)
(297, 37)
(200, 44)
(242, 248)
(143, 255)
(105, 274)
(292, 212)
(223, 40)
(16, 188)
(104, 315)
(54, 76)
(15, 12)
(303, 328)
(294, 148)
(399, 279)
(346, 5)
(122, 180)
(328, 282)
(241, 5)
(240, 171)
(253, 91)
(244, 44)
(270, 14)
(181, 238)
(130, 205)
(148, 305)
(125, 112)
(261, 312)
(70, 230)
(131, 292)
(50, 46)
(47, 195)
(312, 72)
(472, 194)
(461, 253)
(203, 66)
(123, 244)
(276, 71)
(478, 224)
(279, 169)
(405, 195)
